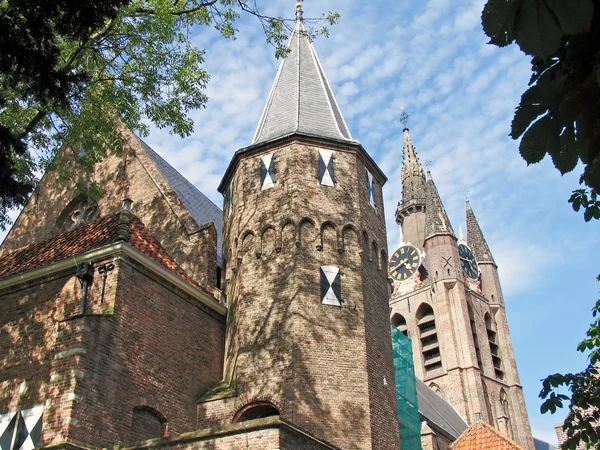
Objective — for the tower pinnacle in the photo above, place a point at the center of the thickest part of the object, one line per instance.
(436, 218)
(475, 238)
(413, 175)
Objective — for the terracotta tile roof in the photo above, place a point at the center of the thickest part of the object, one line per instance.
(82, 239)
(482, 436)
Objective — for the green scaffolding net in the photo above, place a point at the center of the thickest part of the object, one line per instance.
(406, 392)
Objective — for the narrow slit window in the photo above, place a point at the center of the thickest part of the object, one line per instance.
(230, 197)
(326, 174)
(267, 172)
(370, 188)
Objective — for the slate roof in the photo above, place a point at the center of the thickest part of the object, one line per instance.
(438, 413)
(475, 238)
(436, 218)
(201, 208)
(482, 436)
(84, 238)
(301, 99)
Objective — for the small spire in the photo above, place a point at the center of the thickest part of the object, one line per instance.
(401, 235)
(299, 11)
(413, 175)
(436, 218)
(477, 242)
(460, 232)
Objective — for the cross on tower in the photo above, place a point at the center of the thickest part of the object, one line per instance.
(404, 116)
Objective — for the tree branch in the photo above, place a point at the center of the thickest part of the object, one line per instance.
(182, 12)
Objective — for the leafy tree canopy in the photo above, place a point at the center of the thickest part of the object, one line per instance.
(559, 114)
(73, 72)
(582, 425)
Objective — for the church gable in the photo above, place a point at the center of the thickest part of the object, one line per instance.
(181, 218)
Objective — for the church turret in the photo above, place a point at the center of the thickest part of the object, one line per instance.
(436, 218)
(490, 282)
(410, 214)
(305, 250)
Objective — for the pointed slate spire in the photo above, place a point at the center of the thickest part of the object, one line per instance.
(475, 238)
(436, 219)
(413, 175)
(301, 99)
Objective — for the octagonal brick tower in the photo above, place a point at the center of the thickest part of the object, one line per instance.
(305, 258)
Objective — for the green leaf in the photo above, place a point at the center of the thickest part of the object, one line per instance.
(540, 138)
(566, 158)
(574, 16)
(537, 31)
(543, 96)
(498, 20)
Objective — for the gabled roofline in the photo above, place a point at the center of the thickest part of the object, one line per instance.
(116, 249)
(257, 148)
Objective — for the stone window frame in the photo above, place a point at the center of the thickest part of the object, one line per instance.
(428, 338)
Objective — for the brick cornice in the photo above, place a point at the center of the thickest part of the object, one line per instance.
(111, 250)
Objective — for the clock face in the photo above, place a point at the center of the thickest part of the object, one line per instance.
(404, 262)
(468, 262)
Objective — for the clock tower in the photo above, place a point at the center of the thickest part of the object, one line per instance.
(452, 308)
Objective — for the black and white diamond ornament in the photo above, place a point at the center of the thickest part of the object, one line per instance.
(267, 172)
(326, 168)
(21, 430)
(331, 288)
(7, 429)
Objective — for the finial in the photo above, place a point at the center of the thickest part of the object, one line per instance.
(427, 165)
(466, 193)
(299, 11)
(401, 235)
(460, 233)
(404, 116)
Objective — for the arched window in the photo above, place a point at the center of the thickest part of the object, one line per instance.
(399, 322)
(474, 333)
(505, 413)
(490, 326)
(430, 347)
(79, 211)
(147, 423)
(255, 410)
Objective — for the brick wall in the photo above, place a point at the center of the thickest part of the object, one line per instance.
(142, 345)
(283, 345)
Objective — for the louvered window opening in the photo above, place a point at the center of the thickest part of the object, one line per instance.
(432, 359)
(495, 351)
(399, 322)
(475, 340)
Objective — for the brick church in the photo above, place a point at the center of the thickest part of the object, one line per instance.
(151, 318)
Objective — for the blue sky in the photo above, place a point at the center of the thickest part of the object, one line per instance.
(430, 57)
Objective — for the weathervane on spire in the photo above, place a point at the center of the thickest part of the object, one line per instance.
(427, 164)
(299, 12)
(404, 116)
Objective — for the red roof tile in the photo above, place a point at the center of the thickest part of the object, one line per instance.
(85, 238)
(482, 436)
